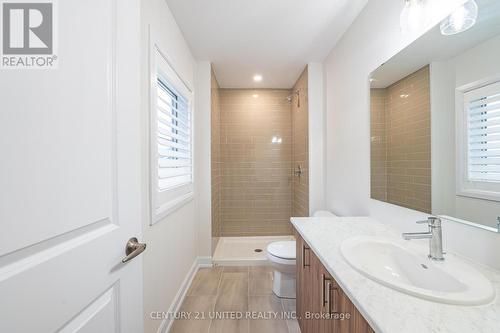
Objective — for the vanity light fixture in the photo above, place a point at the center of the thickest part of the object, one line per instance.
(461, 19)
(257, 78)
(414, 16)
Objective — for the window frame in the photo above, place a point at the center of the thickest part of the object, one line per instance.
(464, 186)
(163, 203)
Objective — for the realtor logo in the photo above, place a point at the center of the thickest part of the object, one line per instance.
(28, 34)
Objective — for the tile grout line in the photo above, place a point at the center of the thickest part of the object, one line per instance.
(283, 313)
(286, 320)
(216, 297)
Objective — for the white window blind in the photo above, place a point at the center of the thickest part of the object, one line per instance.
(173, 139)
(483, 133)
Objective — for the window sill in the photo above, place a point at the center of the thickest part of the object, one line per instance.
(168, 208)
(479, 194)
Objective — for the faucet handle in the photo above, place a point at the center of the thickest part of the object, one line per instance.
(432, 221)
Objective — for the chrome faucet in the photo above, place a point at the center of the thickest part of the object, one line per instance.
(434, 235)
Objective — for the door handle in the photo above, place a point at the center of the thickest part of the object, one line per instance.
(133, 249)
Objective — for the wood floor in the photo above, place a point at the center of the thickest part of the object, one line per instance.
(241, 297)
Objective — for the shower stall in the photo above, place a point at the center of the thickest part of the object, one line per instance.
(259, 158)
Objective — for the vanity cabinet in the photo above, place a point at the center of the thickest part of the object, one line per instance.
(322, 306)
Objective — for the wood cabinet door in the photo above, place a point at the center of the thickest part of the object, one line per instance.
(351, 319)
(319, 296)
(316, 293)
(345, 323)
(360, 323)
(299, 282)
(326, 325)
(304, 285)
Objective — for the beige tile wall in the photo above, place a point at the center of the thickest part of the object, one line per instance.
(300, 147)
(378, 145)
(256, 191)
(216, 162)
(408, 142)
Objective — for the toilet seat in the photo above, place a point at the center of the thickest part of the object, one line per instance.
(282, 252)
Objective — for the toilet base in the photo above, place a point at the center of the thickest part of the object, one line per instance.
(284, 285)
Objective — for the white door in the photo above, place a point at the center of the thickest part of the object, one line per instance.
(70, 178)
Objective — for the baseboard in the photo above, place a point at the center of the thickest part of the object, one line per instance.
(205, 262)
(200, 262)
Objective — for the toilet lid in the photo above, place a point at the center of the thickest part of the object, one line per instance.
(284, 249)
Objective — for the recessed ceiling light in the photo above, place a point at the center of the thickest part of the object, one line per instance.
(257, 78)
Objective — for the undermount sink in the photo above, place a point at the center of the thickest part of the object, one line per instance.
(406, 268)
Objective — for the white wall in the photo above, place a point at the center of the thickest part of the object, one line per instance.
(203, 175)
(442, 98)
(474, 65)
(172, 243)
(373, 38)
(315, 86)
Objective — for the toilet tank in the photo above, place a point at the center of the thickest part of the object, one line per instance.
(324, 213)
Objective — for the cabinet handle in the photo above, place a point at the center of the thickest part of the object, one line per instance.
(328, 300)
(324, 279)
(333, 306)
(304, 248)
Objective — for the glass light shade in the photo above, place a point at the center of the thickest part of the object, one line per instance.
(414, 16)
(463, 18)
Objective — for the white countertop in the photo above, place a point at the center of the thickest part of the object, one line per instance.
(387, 310)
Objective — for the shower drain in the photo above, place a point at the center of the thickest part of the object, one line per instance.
(258, 250)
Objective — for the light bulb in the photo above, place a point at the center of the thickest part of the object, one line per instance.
(414, 16)
(462, 18)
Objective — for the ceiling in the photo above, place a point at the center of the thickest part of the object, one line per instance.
(274, 38)
(433, 46)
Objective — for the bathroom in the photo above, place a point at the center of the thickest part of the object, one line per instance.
(264, 166)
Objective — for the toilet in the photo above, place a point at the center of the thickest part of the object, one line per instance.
(281, 256)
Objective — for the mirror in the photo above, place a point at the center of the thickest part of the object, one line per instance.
(435, 123)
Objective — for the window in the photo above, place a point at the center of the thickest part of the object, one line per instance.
(174, 138)
(171, 140)
(481, 156)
